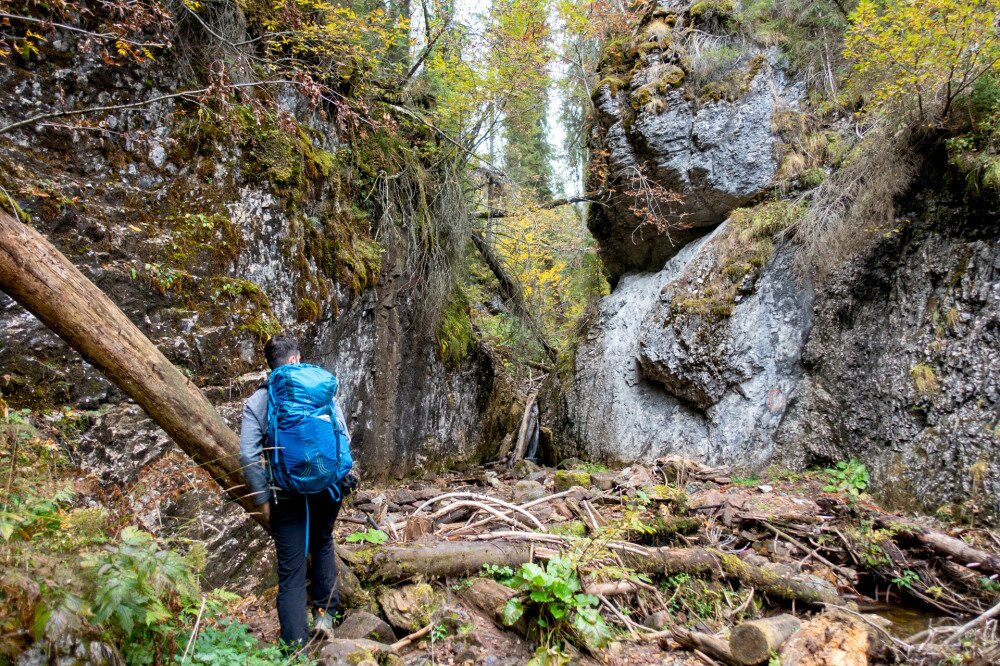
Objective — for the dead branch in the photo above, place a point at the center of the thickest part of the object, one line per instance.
(555, 203)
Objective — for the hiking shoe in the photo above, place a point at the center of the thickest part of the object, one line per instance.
(322, 624)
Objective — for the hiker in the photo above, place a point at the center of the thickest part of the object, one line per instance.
(299, 481)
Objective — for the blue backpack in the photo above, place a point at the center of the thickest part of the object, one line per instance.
(310, 450)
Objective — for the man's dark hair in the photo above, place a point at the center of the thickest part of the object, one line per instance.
(279, 348)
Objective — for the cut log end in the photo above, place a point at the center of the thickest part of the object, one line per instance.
(754, 642)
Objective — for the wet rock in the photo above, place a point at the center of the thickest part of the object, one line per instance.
(523, 468)
(525, 491)
(410, 607)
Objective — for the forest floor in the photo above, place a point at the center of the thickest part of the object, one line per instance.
(671, 563)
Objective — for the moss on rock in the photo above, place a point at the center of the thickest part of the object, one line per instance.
(567, 478)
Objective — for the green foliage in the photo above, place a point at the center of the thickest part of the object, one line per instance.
(136, 590)
(591, 467)
(989, 584)
(502, 574)
(849, 477)
(976, 152)
(455, 336)
(692, 599)
(906, 579)
(231, 644)
(439, 633)
(912, 60)
(554, 601)
(27, 517)
(373, 536)
(746, 481)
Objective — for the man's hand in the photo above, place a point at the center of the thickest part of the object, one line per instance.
(265, 510)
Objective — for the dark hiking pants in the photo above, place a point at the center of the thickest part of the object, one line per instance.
(290, 525)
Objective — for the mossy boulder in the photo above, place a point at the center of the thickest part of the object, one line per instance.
(354, 652)
(410, 607)
(567, 478)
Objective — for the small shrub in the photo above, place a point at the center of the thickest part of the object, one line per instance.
(906, 579)
(556, 604)
(501, 574)
(374, 536)
(849, 477)
(231, 644)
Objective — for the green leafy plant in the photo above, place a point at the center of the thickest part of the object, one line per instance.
(906, 579)
(849, 477)
(232, 644)
(502, 574)
(746, 481)
(438, 633)
(989, 584)
(556, 604)
(138, 588)
(374, 536)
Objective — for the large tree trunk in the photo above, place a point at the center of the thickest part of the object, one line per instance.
(35, 274)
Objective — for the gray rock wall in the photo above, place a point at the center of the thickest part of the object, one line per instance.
(616, 411)
(903, 361)
(657, 132)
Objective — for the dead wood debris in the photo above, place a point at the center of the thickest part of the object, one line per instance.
(709, 564)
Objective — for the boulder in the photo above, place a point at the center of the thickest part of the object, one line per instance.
(567, 478)
(409, 607)
(356, 651)
(522, 468)
(525, 491)
(603, 480)
(362, 624)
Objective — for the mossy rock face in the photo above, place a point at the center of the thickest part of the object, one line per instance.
(669, 77)
(567, 478)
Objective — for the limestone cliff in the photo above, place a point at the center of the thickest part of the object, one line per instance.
(716, 344)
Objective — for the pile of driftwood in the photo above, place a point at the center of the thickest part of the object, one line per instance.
(791, 558)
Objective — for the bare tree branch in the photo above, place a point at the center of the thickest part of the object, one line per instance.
(555, 203)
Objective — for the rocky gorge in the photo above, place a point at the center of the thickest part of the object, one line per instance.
(726, 361)
(890, 359)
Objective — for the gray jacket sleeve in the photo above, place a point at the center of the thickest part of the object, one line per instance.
(252, 438)
(341, 419)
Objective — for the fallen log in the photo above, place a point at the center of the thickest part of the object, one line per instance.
(394, 563)
(490, 597)
(447, 559)
(755, 641)
(36, 275)
(943, 544)
(699, 642)
(764, 576)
